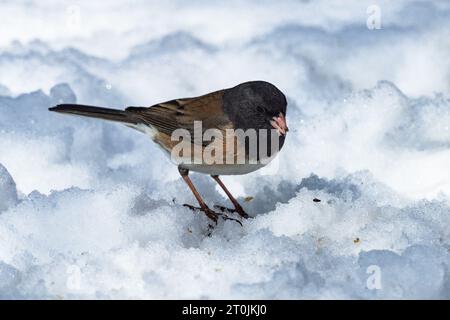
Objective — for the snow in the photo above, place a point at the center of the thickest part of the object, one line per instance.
(90, 209)
(8, 192)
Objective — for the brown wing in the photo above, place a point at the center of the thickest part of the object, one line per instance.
(181, 114)
(176, 114)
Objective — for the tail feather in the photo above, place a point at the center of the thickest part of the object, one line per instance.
(96, 112)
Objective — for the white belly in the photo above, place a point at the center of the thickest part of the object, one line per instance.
(223, 169)
(211, 169)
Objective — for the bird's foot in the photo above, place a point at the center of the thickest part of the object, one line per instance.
(211, 214)
(240, 211)
(224, 209)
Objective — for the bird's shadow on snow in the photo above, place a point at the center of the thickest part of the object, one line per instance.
(263, 201)
(269, 195)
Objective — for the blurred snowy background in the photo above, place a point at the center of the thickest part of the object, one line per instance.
(86, 207)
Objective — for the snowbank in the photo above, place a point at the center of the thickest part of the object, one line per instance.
(90, 209)
(8, 192)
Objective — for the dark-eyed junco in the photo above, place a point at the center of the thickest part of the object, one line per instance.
(226, 132)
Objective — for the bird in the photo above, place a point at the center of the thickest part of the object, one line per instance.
(253, 106)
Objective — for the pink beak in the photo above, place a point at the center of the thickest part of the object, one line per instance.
(279, 123)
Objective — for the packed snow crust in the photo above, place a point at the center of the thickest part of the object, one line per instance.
(90, 209)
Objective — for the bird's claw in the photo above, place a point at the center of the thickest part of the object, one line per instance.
(223, 208)
(193, 208)
(241, 212)
(211, 214)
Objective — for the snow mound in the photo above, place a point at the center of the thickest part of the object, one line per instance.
(121, 243)
(356, 205)
(8, 192)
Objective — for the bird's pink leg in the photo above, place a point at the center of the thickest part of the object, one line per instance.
(236, 204)
(209, 213)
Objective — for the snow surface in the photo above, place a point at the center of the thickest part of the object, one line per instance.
(90, 209)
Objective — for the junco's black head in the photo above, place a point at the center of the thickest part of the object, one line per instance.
(256, 105)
